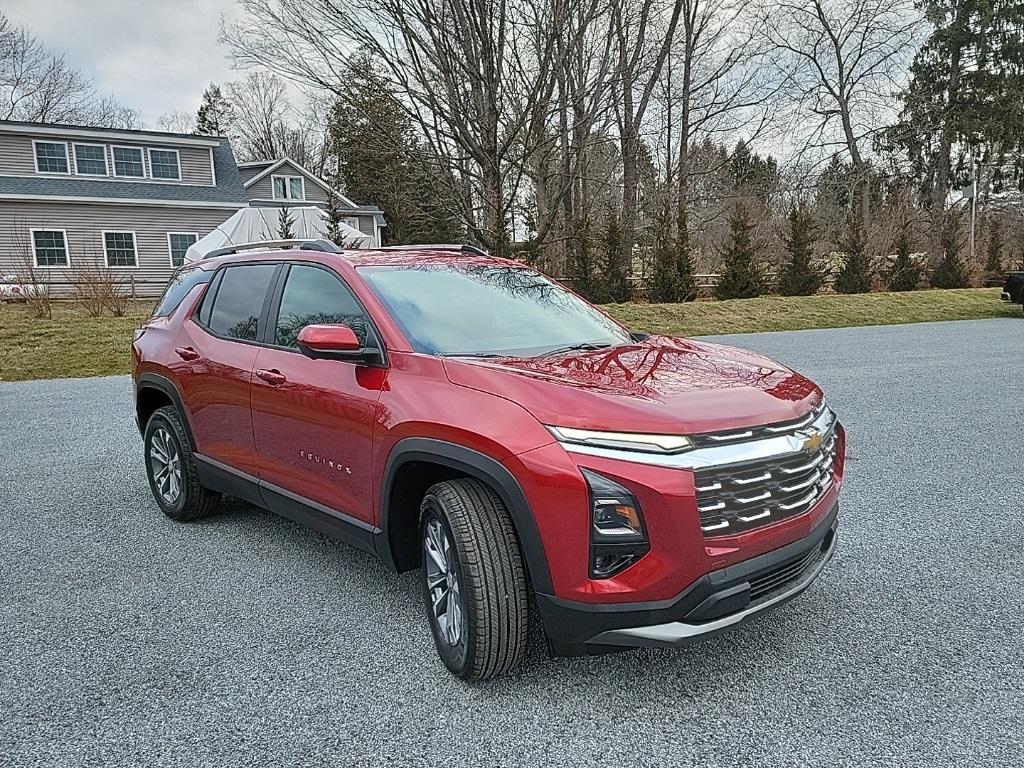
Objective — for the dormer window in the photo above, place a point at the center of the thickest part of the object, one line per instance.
(128, 162)
(289, 187)
(90, 159)
(163, 164)
(51, 156)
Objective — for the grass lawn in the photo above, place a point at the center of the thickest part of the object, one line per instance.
(778, 313)
(73, 344)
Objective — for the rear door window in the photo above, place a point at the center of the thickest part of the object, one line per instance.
(238, 302)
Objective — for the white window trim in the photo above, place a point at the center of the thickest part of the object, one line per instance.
(103, 242)
(287, 187)
(106, 160)
(170, 251)
(177, 156)
(35, 158)
(35, 258)
(113, 162)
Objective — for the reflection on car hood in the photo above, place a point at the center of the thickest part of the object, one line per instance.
(661, 384)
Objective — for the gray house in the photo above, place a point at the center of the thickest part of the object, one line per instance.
(284, 182)
(132, 201)
(75, 197)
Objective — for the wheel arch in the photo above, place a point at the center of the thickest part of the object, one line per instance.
(454, 460)
(153, 391)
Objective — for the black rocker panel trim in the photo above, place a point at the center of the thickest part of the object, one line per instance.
(482, 467)
(232, 482)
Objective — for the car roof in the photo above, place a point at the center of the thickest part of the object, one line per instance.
(372, 257)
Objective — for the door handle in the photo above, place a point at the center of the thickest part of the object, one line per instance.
(272, 376)
(186, 353)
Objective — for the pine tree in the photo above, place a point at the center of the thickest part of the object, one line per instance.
(798, 276)
(614, 286)
(333, 220)
(904, 273)
(374, 139)
(215, 113)
(665, 278)
(855, 275)
(951, 271)
(285, 224)
(741, 278)
(994, 251)
(686, 284)
(581, 261)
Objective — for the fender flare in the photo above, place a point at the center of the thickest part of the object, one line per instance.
(484, 468)
(165, 386)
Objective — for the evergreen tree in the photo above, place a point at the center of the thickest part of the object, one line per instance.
(741, 277)
(686, 284)
(614, 286)
(904, 273)
(951, 271)
(333, 220)
(994, 251)
(215, 113)
(664, 287)
(855, 275)
(581, 262)
(380, 160)
(285, 224)
(798, 276)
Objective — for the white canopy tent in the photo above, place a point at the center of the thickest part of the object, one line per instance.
(254, 225)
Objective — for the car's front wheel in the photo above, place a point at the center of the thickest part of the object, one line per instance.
(171, 469)
(474, 583)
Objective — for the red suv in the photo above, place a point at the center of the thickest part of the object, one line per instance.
(446, 409)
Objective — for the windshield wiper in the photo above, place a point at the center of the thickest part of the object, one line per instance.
(583, 345)
(472, 354)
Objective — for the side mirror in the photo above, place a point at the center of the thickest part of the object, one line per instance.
(334, 342)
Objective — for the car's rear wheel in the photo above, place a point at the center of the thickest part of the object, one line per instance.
(474, 582)
(171, 469)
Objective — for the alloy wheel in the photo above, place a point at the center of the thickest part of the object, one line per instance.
(165, 464)
(443, 582)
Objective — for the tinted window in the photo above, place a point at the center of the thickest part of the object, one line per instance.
(179, 287)
(313, 296)
(488, 309)
(239, 301)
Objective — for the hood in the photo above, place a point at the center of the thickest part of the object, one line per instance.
(659, 385)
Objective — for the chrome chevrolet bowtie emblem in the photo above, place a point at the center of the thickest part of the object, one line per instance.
(811, 440)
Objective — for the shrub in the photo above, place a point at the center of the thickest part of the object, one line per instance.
(951, 271)
(855, 274)
(904, 274)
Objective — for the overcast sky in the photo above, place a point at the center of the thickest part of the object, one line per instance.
(154, 55)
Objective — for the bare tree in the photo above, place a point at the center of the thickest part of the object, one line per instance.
(473, 74)
(38, 85)
(843, 61)
(643, 33)
(176, 122)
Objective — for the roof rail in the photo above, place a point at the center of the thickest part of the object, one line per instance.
(325, 246)
(465, 248)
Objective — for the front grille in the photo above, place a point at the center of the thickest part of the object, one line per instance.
(735, 498)
(711, 439)
(764, 584)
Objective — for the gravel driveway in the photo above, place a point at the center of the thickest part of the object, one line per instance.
(128, 639)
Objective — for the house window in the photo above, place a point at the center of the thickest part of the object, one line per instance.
(119, 248)
(51, 156)
(163, 164)
(178, 243)
(90, 159)
(128, 162)
(50, 247)
(289, 187)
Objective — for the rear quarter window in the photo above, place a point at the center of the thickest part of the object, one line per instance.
(181, 284)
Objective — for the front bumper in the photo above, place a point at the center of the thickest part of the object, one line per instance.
(714, 603)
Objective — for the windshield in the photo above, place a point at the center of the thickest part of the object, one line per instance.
(489, 309)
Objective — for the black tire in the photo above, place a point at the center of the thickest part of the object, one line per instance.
(193, 501)
(490, 576)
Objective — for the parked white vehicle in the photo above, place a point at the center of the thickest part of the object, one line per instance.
(13, 289)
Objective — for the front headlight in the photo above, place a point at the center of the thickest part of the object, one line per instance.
(623, 441)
